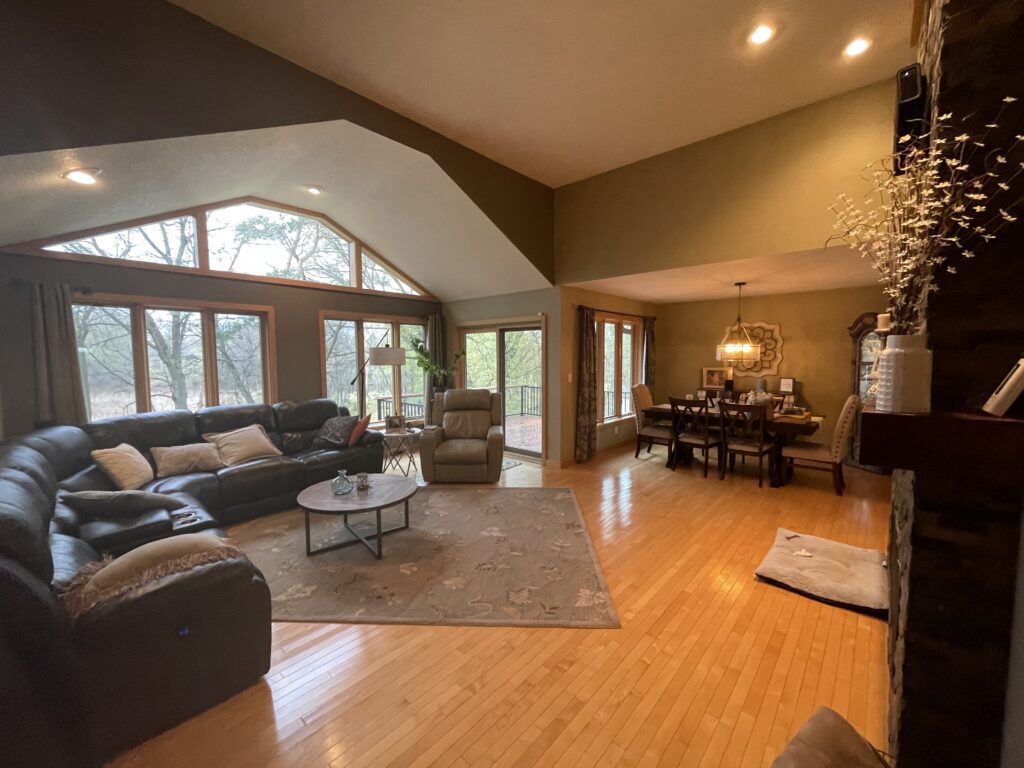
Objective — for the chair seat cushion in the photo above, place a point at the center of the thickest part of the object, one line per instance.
(259, 479)
(118, 534)
(461, 452)
(693, 438)
(657, 432)
(748, 446)
(807, 451)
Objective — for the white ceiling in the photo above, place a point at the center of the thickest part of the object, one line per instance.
(815, 270)
(397, 200)
(564, 90)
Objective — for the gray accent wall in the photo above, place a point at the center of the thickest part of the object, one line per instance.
(296, 312)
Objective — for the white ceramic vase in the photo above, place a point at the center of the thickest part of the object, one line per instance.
(904, 376)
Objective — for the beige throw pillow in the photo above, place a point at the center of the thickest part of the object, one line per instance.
(182, 459)
(124, 465)
(244, 444)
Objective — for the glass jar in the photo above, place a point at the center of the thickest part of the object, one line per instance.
(341, 484)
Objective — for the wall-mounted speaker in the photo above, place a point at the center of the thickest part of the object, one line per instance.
(911, 103)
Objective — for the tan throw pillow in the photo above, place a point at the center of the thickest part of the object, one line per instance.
(97, 582)
(124, 465)
(244, 444)
(182, 459)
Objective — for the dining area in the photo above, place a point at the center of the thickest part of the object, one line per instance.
(708, 431)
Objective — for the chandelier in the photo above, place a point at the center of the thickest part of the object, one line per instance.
(737, 346)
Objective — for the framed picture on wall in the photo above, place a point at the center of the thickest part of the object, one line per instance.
(787, 386)
(714, 378)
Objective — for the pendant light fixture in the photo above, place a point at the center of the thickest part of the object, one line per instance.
(737, 346)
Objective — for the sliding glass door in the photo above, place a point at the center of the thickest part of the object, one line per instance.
(510, 360)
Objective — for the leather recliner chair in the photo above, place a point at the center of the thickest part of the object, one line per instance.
(465, 442)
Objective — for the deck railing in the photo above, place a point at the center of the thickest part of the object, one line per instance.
(520, 400)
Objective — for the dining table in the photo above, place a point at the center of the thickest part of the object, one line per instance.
(782, 428)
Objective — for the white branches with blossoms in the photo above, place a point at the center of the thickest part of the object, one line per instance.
(950, 198)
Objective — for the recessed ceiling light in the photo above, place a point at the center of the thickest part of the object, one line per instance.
(762, 34)
(82, 175)
(315, 189)
(857, 46)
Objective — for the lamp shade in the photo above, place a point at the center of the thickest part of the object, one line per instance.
(387, 356)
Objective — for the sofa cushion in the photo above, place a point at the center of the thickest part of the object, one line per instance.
(203, 486)
(243, 444)
(122, 533)
(65, 519)
(322, 464)
(226, 418)
(69, 554)
(24, 523)
(259, 479)
(92, 478)
(303, 416)
(107, 504)
(466, 425)
(66, 448)
(144, 430)
(461, 452)
(21, 457)
(467, 400)
(184, 459)
(124, 465)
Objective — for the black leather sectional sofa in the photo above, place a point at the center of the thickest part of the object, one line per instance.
(76, 695)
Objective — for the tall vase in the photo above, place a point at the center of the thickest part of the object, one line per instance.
(905, 376)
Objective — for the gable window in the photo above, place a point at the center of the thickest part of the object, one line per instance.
(171, 242)
(382, 391)
(255, 240)
(244, 239)
(139, 355)
(618, 362)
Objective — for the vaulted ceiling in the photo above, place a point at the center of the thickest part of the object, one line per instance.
(564, 90)
(395, 199)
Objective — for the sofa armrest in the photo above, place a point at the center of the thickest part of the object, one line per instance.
(495, 452)
(431, 437)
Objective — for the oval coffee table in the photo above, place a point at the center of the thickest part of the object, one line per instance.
(385, 491)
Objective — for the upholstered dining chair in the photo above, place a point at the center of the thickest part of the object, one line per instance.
(829, 456)
(648, 430)
(690, 429)
(744, 434)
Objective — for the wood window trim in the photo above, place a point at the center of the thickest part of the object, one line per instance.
(396, 322)
(523, 322)
(137, 305)
(198, 213)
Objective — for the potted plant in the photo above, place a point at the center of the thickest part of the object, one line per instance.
(940, 197)
(439, 375)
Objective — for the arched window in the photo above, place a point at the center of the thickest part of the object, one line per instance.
(247, 238)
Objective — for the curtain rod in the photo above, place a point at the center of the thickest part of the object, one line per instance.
(615, 312)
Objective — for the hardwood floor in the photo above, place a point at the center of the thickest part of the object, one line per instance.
(710, 667)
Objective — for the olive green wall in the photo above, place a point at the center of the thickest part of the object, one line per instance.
(817, 349)
(92, 72)
(759, 190)
(296, 318)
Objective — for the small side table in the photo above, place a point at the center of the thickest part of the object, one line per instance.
(399, 447)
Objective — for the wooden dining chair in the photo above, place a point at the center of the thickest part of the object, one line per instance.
(744, 434)
(830, 456)
(690, 429)
(648, 430)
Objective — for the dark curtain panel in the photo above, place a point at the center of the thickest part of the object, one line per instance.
(649, 351)
(59, 396)
(437, 346)
(586, 385)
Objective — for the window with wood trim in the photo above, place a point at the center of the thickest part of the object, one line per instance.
(381, 391)
(619, 347)
(247, 238)
(149, 356)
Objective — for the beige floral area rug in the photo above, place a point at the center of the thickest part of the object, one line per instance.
(478, 556)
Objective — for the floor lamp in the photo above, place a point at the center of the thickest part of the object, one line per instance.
(384, 356)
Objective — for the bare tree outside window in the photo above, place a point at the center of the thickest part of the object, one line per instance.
(171, 242)
(174, 339)
(341, 363)
(377, 277)
(104, 337)
(255, 240)
(239, 358)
